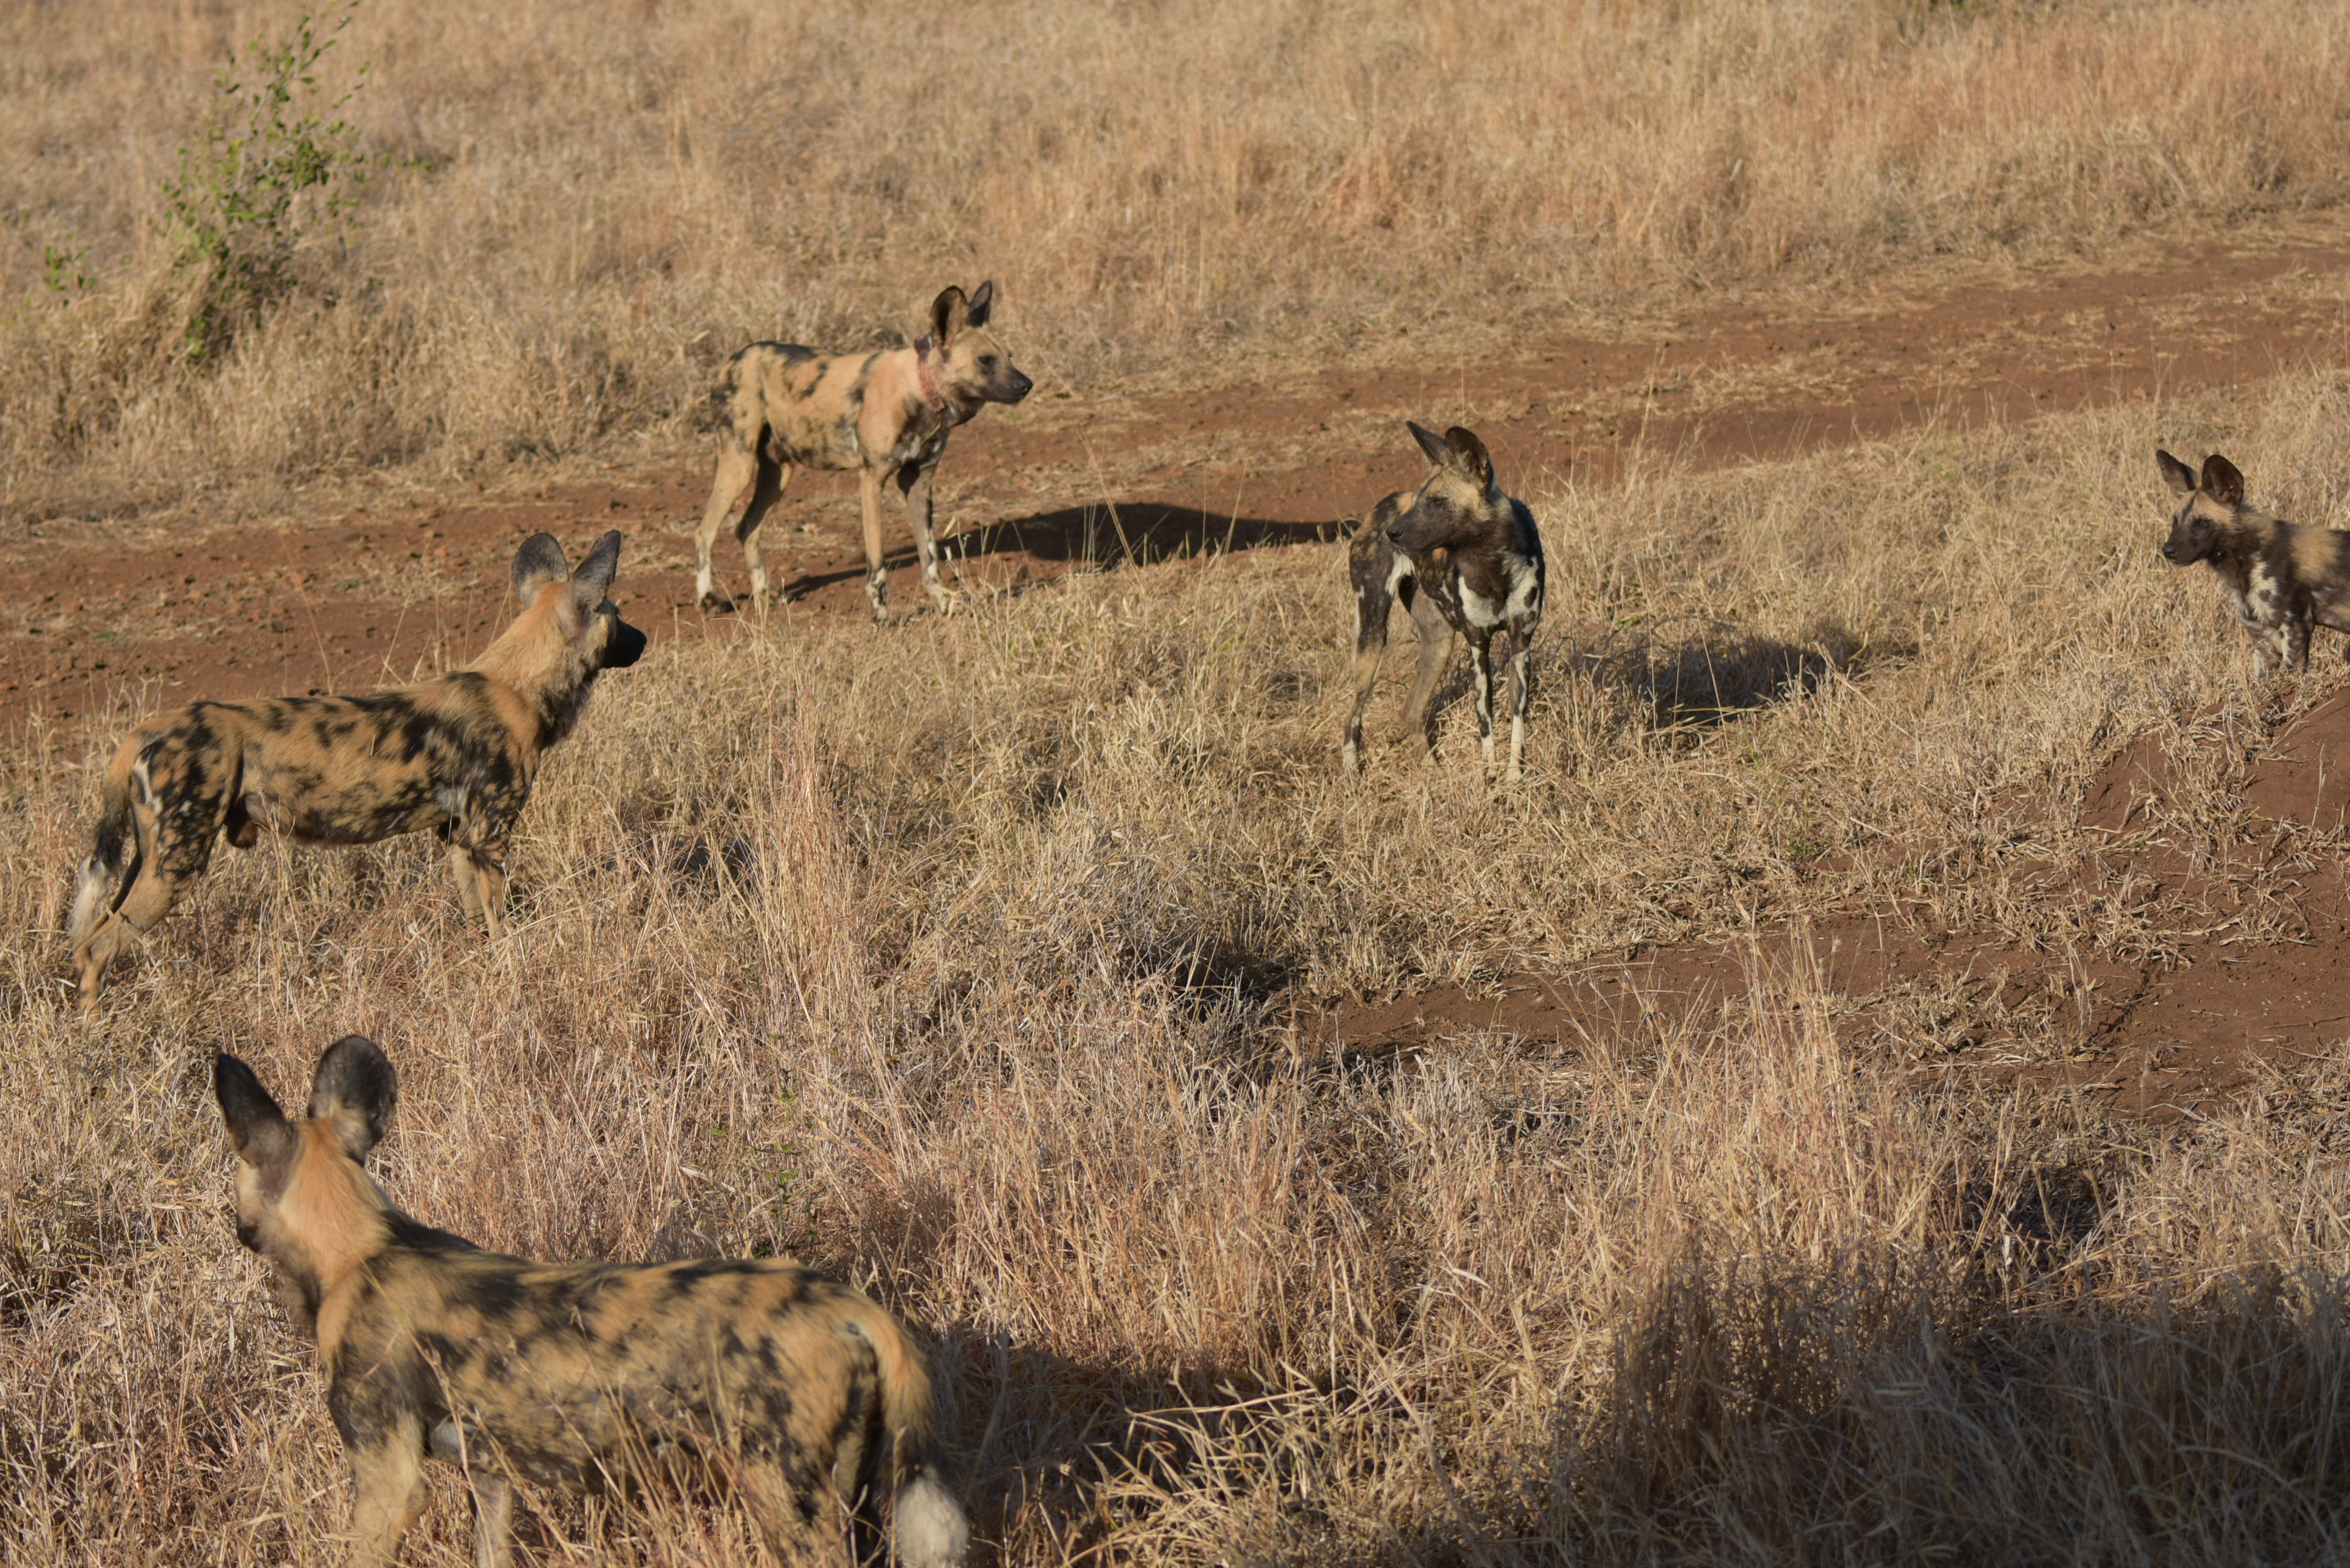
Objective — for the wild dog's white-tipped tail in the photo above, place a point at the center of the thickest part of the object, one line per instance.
(98, 885)
(92, 895)
(932, 1530)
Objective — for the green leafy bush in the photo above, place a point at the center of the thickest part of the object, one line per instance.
(238, 203)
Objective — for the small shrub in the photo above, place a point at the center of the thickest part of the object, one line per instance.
(237, 204)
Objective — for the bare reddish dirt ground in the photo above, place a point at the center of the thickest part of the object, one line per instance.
(2167, 1032)
(355, 594)
(134, 614)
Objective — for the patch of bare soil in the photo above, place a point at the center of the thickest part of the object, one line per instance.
(2190, 967)
(350, 596)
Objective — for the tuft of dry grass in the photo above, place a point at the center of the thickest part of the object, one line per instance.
(953, 957)
(585, 211)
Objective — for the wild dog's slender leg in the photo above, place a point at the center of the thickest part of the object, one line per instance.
(738, 465)
(1368, 567)
(2296, 643)
(1436, 640)
(469, 886)
(387, 1491)
(493, 1496)
(479, 866)
(914, 483)
(492, 1519)
(1521, 679)
(877, 580)
(772, 477)
(1480, 667)
(798, 1522)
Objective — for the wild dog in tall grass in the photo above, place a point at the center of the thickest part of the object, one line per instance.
(886, 415)
(456, 755)
(2281, 577)
(809, 1394)
(1467, 561)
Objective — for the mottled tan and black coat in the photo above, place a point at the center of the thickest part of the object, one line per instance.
(1467, 561)
(2281, 578)
(886, 415)
(802, 1393)
(456, 756)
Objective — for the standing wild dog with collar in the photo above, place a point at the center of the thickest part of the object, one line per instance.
(886, 415)
(456, 755)
(562, 1373)
(2281, 577)
(1467, 561)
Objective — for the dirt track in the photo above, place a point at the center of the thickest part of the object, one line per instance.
(354, 594)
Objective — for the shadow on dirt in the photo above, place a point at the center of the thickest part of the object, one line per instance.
(1109, 533)
(1100, 535)
(1710, 679)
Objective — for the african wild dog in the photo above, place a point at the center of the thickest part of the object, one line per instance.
(885, 414)
(456, 755)
(568, 1374)
(1466, 560)
(2281, 577)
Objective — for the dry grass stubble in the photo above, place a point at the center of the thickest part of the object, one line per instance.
(589, 210)
(945, 956)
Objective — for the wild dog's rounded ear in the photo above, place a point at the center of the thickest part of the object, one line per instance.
(2175, 474)
(1430, 442)
(949, 311)
(593, 578)
(2221, 483)
(353, 1091)
(1469, 455)
(538, 563)
(982, 299)
(258, 1129)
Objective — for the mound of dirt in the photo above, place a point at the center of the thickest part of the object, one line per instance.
(2229, 968)
(2305, 777)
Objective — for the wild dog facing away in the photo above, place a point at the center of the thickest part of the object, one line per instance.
(886, 415)
(809, 1394)
(2281, 577)
(1467, 561)
(456, 755)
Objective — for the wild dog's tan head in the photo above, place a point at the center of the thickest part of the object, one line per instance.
(962, 360)
(1457, 498)
(304, 1201)
(2210, 504)
(569, 631)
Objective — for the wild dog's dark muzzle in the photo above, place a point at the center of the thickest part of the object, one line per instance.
(1021, 385)
(624, 647)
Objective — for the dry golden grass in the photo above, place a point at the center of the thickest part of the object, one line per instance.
(598, 205)
(948, 957)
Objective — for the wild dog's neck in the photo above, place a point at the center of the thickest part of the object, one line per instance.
(542, 672)
(926, 391)
(2248, 533)
(331, 1219)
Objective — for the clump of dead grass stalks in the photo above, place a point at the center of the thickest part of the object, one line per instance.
(578, 216)
(956, 958)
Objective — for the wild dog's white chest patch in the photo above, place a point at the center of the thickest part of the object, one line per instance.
(1526, 591)
(2262, 601)
(922, 450)
(1477, 609)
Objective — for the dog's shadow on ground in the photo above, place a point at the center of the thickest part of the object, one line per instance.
(1723, 673)
(1109, 534)
(1101, 535)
